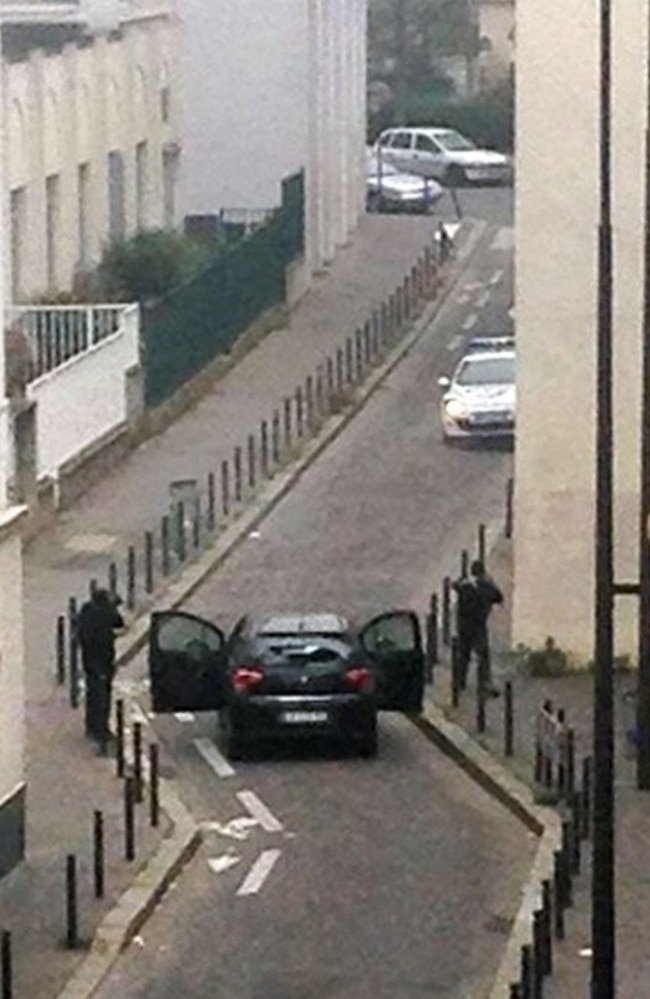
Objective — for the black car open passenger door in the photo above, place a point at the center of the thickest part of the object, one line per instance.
(187, 665)
(393, 643)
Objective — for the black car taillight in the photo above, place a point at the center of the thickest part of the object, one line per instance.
(246, 679)
(360, 679)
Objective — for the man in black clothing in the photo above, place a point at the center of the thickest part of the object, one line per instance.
(98, 621)
(475, 597)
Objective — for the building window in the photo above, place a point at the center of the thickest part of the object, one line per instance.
(170, 172)
(83, 203)
(17, 210)
(165, 103)
(52, 211)
(141, 185)
(116, 214)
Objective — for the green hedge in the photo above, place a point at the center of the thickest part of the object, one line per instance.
(487, 121)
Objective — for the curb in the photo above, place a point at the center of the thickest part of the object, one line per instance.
(137, 903)
(544, 822)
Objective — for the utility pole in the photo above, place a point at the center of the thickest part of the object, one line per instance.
(603, 972)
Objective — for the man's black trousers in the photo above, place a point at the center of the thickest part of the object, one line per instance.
(98, 704)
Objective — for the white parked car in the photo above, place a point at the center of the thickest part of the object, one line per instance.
(390, 190)
(480, 396)
(444, 154)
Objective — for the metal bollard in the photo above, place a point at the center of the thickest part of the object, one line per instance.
(329, 384)
(480, 702)
(538, 955)
(92, 587)
(515, 992)
(526, 971)
(349, 376)
(374, 336)
(181, 548)
(446, 610)
(165, 560)
(559, 895)
(383, 326)
(275, 438)
(211, 502)
(320, 395)
(309, 404)
(576, 852)
(119, 737)
(60, 648)
(464, 563)
(433, 611)
(561, 761)
(238, 475)
(399, 308)
(264, 449)
(508, 720)
(567, 862)
(455, 676)
(570, 773)
(481, 543)
(251, 461)
(547, 926)
(112, 579)
(196, 523)
(154, 785)
(71, 910)
(300, 427)
(510, 484)
(137, 762)
(585, 796)
(129, 818)
(367, 345)
(98, 853)
(547, 762)
(73, 649)
(287, 424)
(7, 966)
(225, 488)
(130, 577)
(339, 372)
(358, 356)
(148, 561)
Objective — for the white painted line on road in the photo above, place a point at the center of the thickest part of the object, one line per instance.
(496, 277)
(504, 239)
(463, 298)
(470, 321)
(259, 811)
(184, 717)
(235, 829)
(511, 312)
(455, 342)
(223, 863)
(213, 757)
(259, 872)
(483, 298)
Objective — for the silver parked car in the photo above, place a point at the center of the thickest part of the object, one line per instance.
(444, 154)
(480, 396)
(390, 190)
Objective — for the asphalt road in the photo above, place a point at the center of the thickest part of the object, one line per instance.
(325, 876)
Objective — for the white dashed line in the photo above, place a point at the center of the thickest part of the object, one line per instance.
(213, 757)
(470, 321)
(259, 811)
(259, 872)
(496, 277)
(455, 342)
(483, 298)
(184, 717)
(223, 863)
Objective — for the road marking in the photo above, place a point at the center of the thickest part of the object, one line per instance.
(496, 277)
(455, 342)
(511, 312)
(504, 239)
(259, 811)
(223, 863)
(184, 717)
(483, 298)
(213, 757)
(470, 321)
(235, 829)
(259, 872)
(463, 298)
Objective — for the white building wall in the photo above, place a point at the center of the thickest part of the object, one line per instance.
(557, 206)
(269, 89)
(73, 107)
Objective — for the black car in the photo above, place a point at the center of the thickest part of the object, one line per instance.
(288, 675)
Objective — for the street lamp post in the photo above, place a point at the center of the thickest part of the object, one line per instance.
(603, 910)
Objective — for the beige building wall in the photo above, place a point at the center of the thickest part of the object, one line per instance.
(557, 210)
(66, 112)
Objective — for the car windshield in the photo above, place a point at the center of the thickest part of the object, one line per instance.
(454, 141)
(386, 168)
(487, 371)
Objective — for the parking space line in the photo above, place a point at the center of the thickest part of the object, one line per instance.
(184, 717)
(213, 757)
(483, 298)
(259, 872)
(496, 277)
(455, 342)
(470, 321)
(259, 811)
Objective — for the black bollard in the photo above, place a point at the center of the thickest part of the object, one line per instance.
(576, 852)
(148, 561)
(538, 955)
(112, 579)
(358, 356)
(7, 966)
(526, 972)
(559, 895)
(212, 517)
(339, 372)
(275, 439)
(547, 926)
(433, 610)
(464, 563)
(119, 737)
(348, 360)
(309, 404)
(287, 424)
(367, 346)
(98, 853)
(320, 394)
(92, 587)
(60, 648)
(239, 492)
(165, 561)
(130, 578)
(154, 785)
(264, 449)
(196, 523)
(73, 649)
(225, 488)
(481, 543)
(455, 678)
(570, 764)
(509, 507)
(585, 796)
(547, 761)
(446, 610)
(300, 427)
(480, 701)
(567, 863)
(515, 991)
(329, 384)
(508, 720)
(129, 818)
(71, 911)
(375, 335)
(137, 762)
(251, 462)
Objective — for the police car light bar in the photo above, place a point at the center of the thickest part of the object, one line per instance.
(490, 343)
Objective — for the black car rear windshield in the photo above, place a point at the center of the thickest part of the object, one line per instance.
(290, 650)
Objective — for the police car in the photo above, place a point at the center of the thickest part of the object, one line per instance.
(480, 397)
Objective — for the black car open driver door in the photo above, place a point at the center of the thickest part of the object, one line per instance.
(186, 663)
(393, 643)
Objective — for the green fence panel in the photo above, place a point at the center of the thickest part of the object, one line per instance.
(185, 331)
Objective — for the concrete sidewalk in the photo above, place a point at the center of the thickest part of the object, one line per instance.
(66, 780)
(573, 693)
